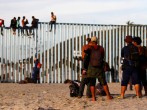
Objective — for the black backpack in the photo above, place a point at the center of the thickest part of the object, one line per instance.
(134, 54)
(96, 58)
(74, 89)
(133, 58)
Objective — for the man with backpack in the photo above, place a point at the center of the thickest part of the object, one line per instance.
(142, 62)
(130, 64)
(36, 71)
(34, 25)
(95, 56)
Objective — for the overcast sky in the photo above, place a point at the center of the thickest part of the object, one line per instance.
(77, 11)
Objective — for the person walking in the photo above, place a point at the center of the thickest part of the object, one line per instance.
(95, 55)
(130, 58)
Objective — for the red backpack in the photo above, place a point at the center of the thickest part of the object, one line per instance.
(96, 56)
(39, 65)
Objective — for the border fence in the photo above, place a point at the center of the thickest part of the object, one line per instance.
(57, 50)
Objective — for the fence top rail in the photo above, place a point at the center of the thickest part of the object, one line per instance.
(131, 25)
(94, 24)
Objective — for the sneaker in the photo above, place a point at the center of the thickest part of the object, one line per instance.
(120, 97)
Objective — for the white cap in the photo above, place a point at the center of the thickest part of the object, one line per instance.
(93, 39)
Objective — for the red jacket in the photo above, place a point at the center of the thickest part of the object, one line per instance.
(1, 22)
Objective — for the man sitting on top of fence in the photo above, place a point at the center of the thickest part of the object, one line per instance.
(2, 25)
(53, 21)
(34, 25)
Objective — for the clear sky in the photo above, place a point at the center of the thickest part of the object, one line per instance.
(77, 11)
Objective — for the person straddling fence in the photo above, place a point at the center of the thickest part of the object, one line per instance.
(24, 25)
(18, 26)
(130, 56)
(13, 25)
(34, 25)
(95, 56)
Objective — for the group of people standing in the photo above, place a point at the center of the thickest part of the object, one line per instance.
(134, 66)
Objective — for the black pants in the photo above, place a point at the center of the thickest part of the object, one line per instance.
(84, 82)
(1, 31)
(52, 23)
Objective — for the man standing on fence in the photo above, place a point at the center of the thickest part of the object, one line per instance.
(95, 56)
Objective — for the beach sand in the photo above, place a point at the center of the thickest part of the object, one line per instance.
(14, 96)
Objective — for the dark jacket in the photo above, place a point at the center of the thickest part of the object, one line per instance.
(127, 54)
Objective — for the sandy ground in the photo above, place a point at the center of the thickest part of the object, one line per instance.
(15, 96)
